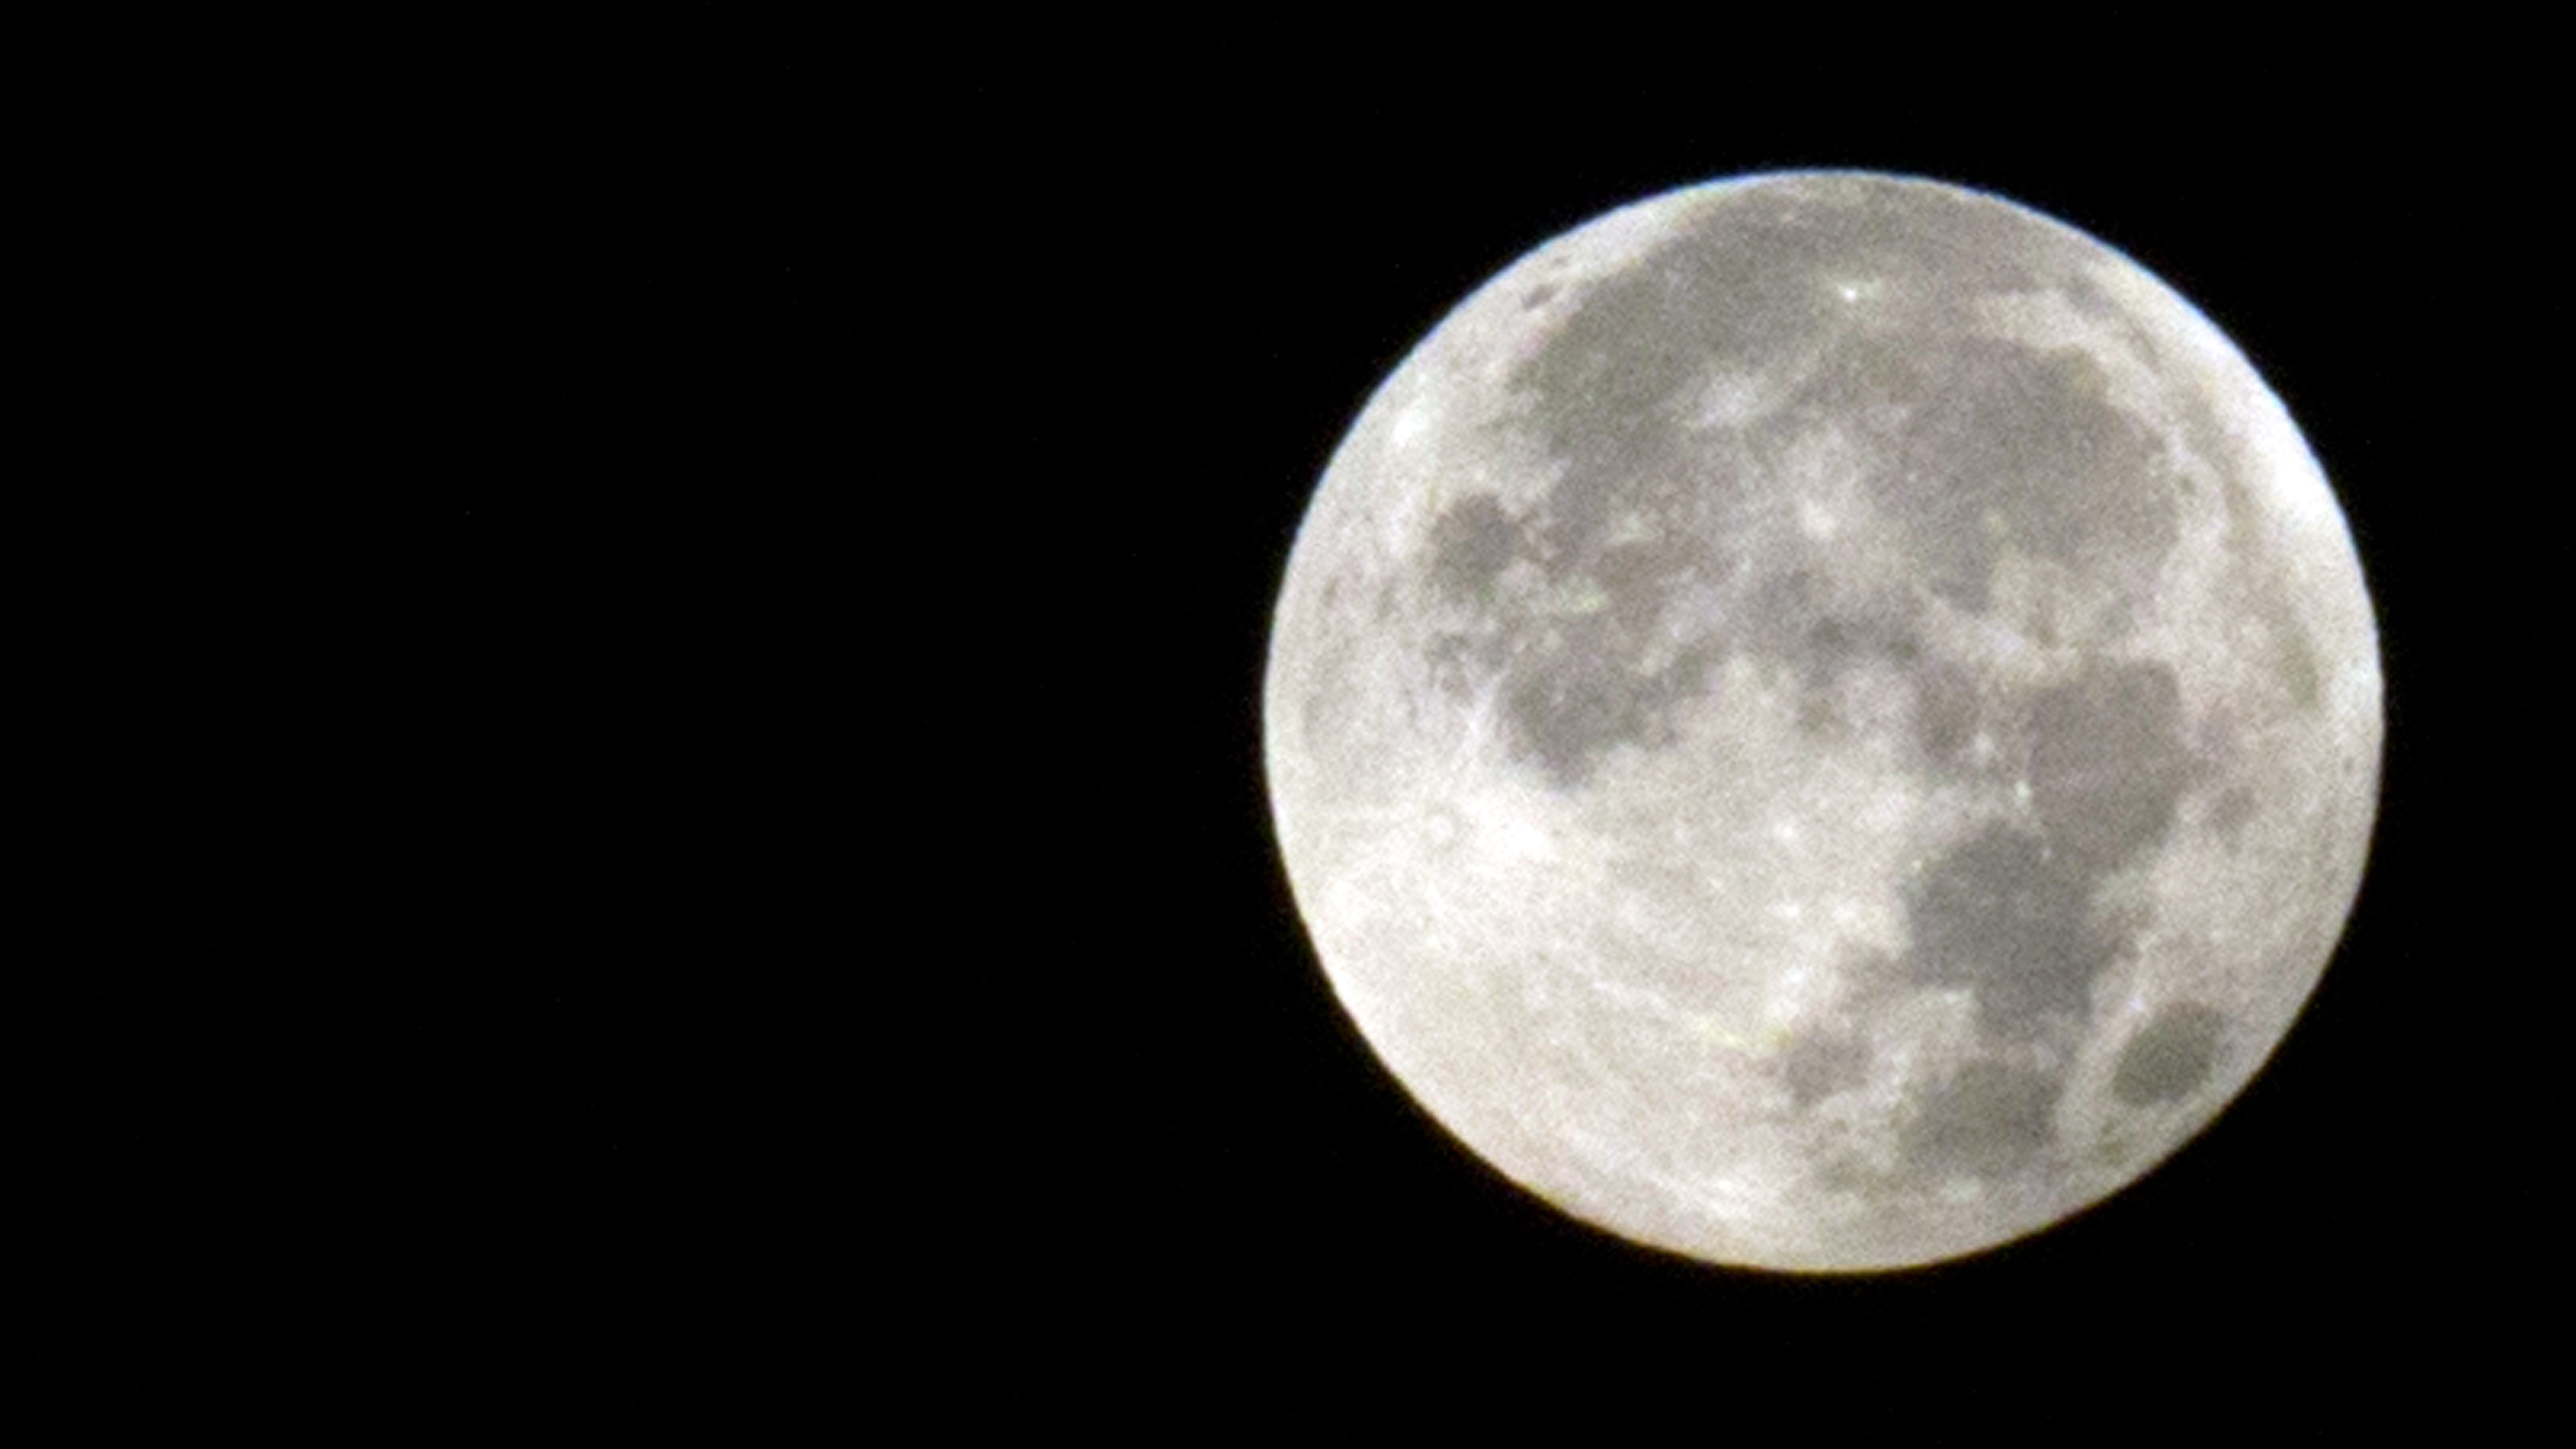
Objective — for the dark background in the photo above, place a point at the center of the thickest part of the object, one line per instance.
(703, 699)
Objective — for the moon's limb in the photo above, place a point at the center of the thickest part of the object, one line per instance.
(1823, 722)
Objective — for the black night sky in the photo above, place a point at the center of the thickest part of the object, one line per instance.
(758, 853)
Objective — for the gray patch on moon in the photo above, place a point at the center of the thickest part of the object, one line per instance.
(1576, 647)
(2107, 762)
(1609, 393)
(2297, 658)
(1820, 1064)
(2015, 448)
(1746, 290)
(1795, 619)
(1471, 544)
(1947, 703)
(1981, 446)
(2170, 1056)
(1988, 1119)
(2229, 814)
(2012, 920)
(2013, 913)
(1577, 702)
(1460, 663)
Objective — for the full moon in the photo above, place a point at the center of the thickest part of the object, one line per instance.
(1823, 722)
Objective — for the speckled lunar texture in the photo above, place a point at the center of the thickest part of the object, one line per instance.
(1824, 722)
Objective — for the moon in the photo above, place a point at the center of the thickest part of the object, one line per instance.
(1823, 722)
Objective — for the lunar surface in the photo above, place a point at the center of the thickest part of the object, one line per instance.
(1823, 722)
